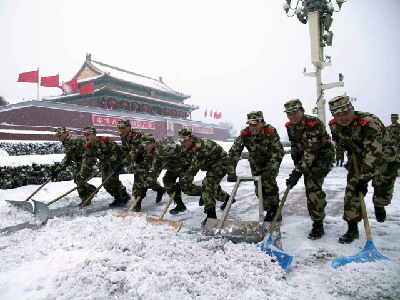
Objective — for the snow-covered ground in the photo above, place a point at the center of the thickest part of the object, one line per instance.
(92, 254)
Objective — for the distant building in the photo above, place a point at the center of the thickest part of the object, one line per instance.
(152, 106)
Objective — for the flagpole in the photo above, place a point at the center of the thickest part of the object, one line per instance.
(38, 84)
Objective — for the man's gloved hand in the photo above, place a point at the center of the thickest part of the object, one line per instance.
(362, 186)
(296, 156)
(293, 178)
(54, 174)
(177, 188)
(118, 167)
(142, 192)
(232, 177)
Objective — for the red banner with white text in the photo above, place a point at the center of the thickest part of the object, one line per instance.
(113, 121)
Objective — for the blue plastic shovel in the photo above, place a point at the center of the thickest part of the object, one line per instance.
(369, 253)
(282, 258)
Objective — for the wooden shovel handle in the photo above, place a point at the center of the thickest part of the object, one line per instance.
(96, 190)
(168, 204)
(361, 198)
(37, 190)
(136, 202)
(278, 212)
(70, 191)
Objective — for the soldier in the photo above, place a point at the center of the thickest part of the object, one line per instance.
(108, 153)
(339, 155)
(132, 153)
(377, 159)
(170, 156)
(313, 154)
(394, 131)
(265, 157)
(205, 155)
(74, 148)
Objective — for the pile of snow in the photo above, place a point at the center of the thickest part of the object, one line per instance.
(3, 153)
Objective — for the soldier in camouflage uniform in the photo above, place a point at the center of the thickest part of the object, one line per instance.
(108, 153)
(170, 156)
(133, 153)
(74, 148)
(265, 156)
(377, 159)
(313, 154)
(394, 131)
(339, 154)
(205, 155)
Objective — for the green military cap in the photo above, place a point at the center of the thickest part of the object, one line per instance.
(293, 105)
(185, 133)
(89, 130)
(60, 130)
(123, 123)
(148, 138)
(340, 104)
(254, 117)
(396, 116)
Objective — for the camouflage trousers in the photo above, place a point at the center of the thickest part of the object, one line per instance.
(113, 186)
(383, 184)
(169, 181)
(211, 189)
(316, 197)
(84, 189)
(269, 188)
(139, 178)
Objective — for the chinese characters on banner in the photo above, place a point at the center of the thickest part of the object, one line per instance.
(112, 121)
(205, 130)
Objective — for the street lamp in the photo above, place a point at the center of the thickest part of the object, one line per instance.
(318, 13)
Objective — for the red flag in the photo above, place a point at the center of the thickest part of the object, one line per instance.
(50, 81)
(210, 113)
(205, 113)
(32, 76)
(70, 86)
(220, 115)
(87, 89)
(215, 115)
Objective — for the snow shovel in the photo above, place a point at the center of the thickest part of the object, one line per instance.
(130, 212)
(39, 210)
(238, 231)
(176, 224)
(283, 259)
(369, 253)
(96, 190)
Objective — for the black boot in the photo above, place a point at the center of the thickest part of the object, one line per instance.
(380, 213)
(138, 206)
(211, 214)
(116, 202)
(124, 199)
(351, 234)
(317, 230)
(269, 217)
(160, 193)
(180, 206)
(201, 201)
(226, 202)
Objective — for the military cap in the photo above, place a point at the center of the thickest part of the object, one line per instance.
(60, 130)
(89, 130)
(396, 116)
(123, 123)
(254, 117)
(148, 138)
(184, 134)
(340, 104)
(293, 105)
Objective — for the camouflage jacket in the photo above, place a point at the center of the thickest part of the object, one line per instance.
(130, 146)
(394, 133)
(105, 149)
(265, 150)
(367, 136)
(74, 152)
(310, 139)
(204, 155)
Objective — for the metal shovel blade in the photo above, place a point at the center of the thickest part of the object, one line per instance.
(175, 224)
(283, 259)
(368, 254)
(41, 211)
(235, 231)
(24, 205)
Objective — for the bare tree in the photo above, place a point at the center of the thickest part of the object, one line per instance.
(232, 132)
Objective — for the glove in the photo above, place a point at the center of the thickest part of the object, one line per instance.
(142, 192)
(177, 188)
(362, 186)
(54, 174)
(296, 156)
(293, 178)
(118, 167)
(232, 177)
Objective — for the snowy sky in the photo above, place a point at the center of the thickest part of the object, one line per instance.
(232, 56)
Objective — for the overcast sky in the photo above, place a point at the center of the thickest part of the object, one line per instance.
(232, 56)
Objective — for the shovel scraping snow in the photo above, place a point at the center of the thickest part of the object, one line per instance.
(176, 224)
